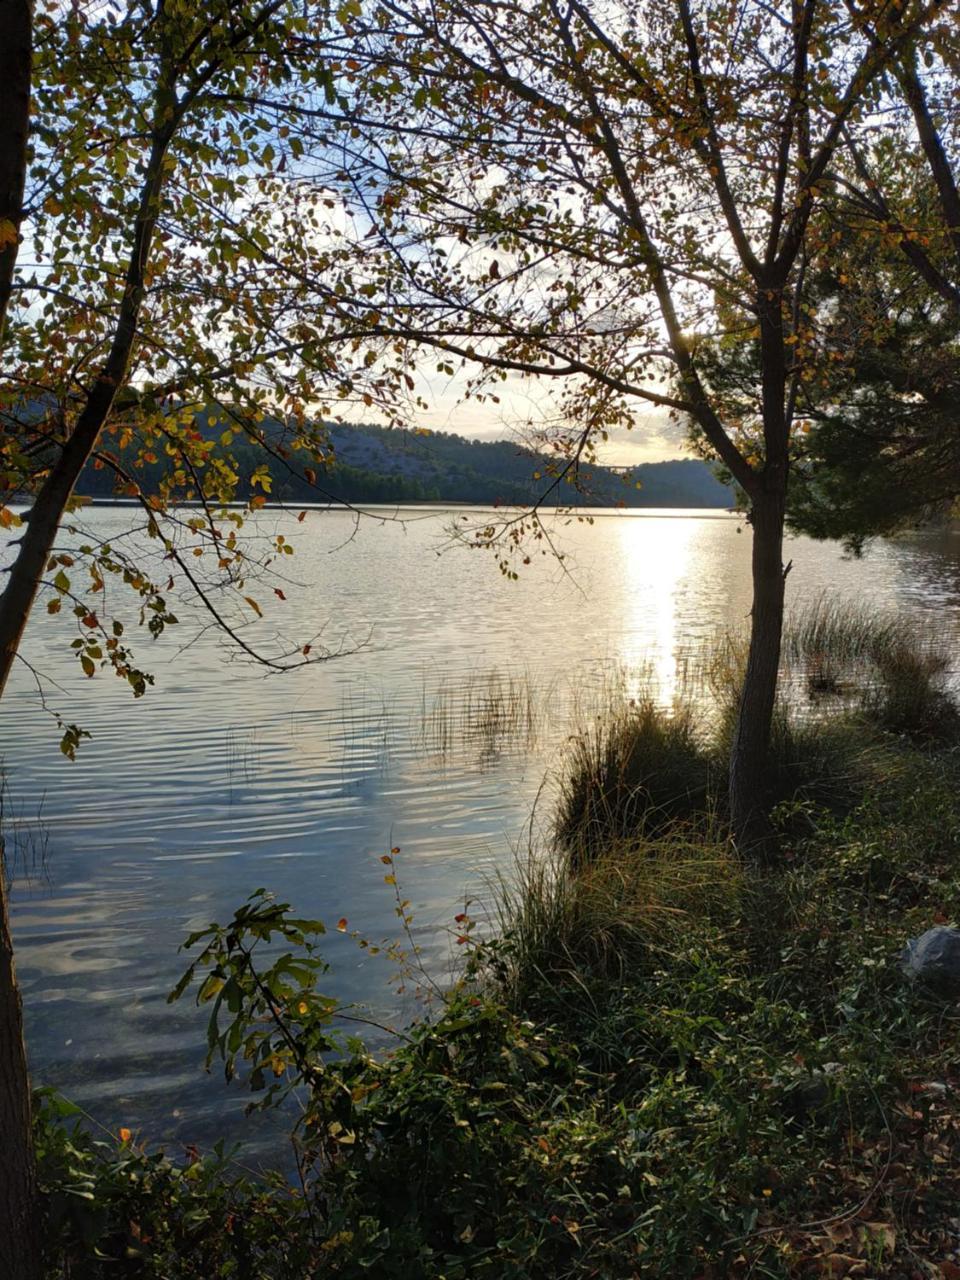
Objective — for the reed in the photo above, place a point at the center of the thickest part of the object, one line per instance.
(483, 714)
(635, 770)
(613, 914)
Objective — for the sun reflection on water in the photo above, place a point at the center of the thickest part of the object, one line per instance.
(654, 571)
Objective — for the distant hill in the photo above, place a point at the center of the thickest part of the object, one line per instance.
(378, 464)
(454, 469)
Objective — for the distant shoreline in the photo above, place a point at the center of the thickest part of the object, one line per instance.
(595, 512)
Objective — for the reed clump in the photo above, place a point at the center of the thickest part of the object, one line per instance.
(851, 681)
(878, 665)
(611, 915)
(635, 771)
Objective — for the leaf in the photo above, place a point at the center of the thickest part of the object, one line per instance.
(342, 924)
(254, 606)
(257, 501)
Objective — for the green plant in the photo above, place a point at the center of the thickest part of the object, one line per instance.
(613, 914)
(112, 1208)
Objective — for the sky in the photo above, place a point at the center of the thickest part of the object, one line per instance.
(654, 438)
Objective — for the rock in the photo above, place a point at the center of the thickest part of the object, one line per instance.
(810, 1093)
(934, 959)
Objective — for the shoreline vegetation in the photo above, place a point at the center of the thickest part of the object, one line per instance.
(659, 1059)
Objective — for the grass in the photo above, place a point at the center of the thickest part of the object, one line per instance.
(851, 680)
(876, 663)
(617, 912)
(634, 771)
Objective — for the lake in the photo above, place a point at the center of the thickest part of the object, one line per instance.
(223, 779)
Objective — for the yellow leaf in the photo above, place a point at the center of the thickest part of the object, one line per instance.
(8, 233)
(254, 606)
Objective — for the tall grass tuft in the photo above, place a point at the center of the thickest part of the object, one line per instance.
(634, 771)
(616, 913)
(879, 665)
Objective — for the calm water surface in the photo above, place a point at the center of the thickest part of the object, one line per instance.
(223, 779)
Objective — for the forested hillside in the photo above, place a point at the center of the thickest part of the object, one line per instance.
(375, 464)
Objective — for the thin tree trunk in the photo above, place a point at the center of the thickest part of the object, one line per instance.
(19, 1219)
(751, 743)
(16, 54)
(19, 1208)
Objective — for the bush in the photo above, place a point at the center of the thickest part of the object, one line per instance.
(113, 1209)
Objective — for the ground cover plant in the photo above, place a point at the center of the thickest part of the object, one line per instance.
(663, 1061)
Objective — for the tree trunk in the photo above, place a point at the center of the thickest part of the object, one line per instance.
(751, 743)
(19, 1217)
(16, 40)
(19, 1207)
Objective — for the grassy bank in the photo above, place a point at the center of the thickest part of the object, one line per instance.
(666, 1063)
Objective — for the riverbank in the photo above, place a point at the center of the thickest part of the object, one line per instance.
(667, 1063)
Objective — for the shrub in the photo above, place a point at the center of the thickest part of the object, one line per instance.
(114, 1209)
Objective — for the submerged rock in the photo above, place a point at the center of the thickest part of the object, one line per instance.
(934, 959)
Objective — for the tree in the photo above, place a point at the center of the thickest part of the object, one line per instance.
(144, 317)
(879, 446)
(883, 448)
(16, 55)
(584, 192)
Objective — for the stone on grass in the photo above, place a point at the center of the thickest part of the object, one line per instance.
(934, 959)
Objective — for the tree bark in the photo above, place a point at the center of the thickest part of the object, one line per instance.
(19, 1218)
(16, 56)
(19, 1208)
(751, 743)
